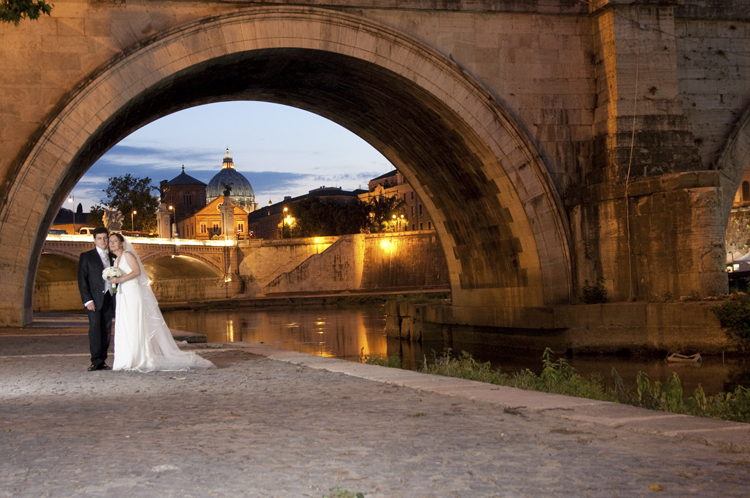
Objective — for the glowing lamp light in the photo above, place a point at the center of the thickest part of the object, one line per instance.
(385, 244)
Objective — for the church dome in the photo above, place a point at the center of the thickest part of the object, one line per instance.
(242, 194)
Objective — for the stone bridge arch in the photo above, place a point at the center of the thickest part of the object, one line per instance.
(734, 161)
(499, 219)
(215, 265)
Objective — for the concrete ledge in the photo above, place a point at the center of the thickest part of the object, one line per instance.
(730, 435)
(190, 337)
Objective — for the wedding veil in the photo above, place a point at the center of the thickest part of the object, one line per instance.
(160, 346)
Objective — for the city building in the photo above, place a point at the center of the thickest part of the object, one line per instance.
(206, 223)
(184, 193)
(242, 192)
(392, 184)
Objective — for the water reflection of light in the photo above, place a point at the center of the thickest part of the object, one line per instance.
(230, 330)
(362, 341)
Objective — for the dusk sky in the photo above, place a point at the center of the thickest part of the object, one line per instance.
(280, 150)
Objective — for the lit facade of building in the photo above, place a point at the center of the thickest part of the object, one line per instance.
(206, 223)
(392, 184)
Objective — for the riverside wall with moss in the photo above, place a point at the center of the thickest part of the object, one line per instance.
(687, 327)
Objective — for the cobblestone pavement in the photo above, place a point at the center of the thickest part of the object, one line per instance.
(265, 428)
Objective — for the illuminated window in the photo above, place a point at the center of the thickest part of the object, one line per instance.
(240, 227)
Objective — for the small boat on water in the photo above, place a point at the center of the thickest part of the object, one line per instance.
(681, 358)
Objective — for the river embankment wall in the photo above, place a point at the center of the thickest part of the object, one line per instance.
(684, 327)
(404, 261)
(64, 296)
(355, 263)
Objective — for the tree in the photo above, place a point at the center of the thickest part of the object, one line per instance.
(15, 10)
(127, 194)
(382, 210)
(313, 217)
(96, 215)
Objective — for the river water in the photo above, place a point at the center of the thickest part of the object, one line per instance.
(346, 333)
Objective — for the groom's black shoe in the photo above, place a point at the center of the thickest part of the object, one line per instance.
(93, 368)
(105, 367)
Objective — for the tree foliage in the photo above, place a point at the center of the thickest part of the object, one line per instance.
(316, 217)
(16, 10)
(96, 216)
(128, 193)
(382, 212)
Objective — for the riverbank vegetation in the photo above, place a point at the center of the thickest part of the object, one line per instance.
(734, 316)
(366, 300)
(558, 377)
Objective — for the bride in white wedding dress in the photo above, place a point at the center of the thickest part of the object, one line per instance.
(143, 342)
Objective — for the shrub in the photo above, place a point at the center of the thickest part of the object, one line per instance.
(734, 316)
(595, 293)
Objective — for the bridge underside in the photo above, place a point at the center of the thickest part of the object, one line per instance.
(504, 236)
(479, 106)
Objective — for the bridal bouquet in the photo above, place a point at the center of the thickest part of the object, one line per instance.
(112, 272)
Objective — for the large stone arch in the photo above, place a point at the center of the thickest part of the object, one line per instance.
(498, 217)
(733, 161)
(153, 257)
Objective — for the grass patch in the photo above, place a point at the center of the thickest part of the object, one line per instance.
(337, 492)
(379, 359)
(668, 397)
(557, 377)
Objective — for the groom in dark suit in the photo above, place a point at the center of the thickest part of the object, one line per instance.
(96, 294)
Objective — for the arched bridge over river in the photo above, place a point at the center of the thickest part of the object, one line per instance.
(555, 144)
(219, 255)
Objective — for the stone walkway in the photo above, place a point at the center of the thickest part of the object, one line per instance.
(272, 423)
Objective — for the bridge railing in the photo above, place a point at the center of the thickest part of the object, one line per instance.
(147, 240)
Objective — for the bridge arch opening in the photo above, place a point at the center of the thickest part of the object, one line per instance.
(734, 165)
(500, 221)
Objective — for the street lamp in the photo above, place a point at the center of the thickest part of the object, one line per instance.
(72, 200)
(132, 224)
(283, 221)
(173, 210)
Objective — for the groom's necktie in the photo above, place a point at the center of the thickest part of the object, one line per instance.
(105, 261)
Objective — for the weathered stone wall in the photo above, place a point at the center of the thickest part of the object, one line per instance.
(263, 261)
(404, 261)
(365, 262)
(64, 296)
(601, 328)
(738, 232)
